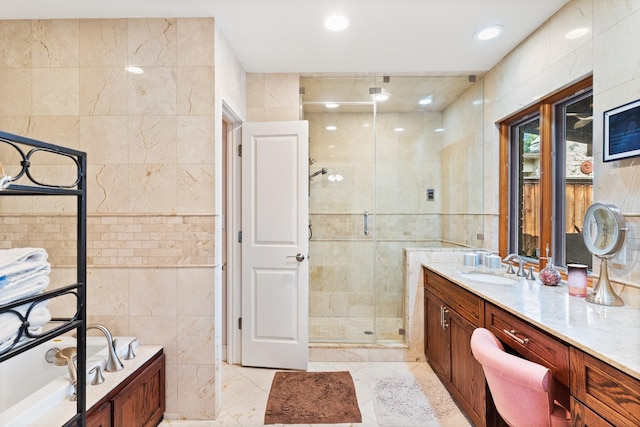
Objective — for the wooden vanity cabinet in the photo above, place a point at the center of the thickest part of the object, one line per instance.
(101, 417)
(605, 392)
(597, 394)
(529, 342)
(582, 416)
(436, 343)
(451, 315)
(138, 401)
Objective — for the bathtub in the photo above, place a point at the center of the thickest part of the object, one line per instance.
(31, 386)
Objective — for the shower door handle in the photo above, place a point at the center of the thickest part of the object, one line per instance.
(299, 257)
(366, 223)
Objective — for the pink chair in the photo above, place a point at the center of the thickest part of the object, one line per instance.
(522, 390)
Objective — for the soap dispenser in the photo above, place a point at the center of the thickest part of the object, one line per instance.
(549, 275)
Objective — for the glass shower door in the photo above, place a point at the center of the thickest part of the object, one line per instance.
(341, 206)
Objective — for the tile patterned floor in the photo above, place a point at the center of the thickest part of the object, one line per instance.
(245, 392)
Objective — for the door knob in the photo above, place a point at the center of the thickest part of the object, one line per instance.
(299, 257)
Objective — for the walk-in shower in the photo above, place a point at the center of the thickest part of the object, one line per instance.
(380, 158)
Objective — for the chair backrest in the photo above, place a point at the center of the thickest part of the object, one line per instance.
(522, 390)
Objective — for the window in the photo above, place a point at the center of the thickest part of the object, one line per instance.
(547, 185)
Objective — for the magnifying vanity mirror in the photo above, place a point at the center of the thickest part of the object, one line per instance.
(604, 233)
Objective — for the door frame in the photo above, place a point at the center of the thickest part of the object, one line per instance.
(232, 221)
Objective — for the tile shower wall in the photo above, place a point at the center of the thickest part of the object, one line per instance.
(150, 144)
(356, 280)
(462, 150)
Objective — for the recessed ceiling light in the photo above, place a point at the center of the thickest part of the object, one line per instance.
(489, 33)
(577, 33)
(381, 96)
(332, 105)
(336, 23)
(331, 127)
(134, 70)
(478, 102)
(399, 129)
(439, 130)
(426, 101)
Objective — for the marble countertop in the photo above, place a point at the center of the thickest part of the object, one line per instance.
(611, 334)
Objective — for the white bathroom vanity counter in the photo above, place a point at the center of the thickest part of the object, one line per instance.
(610, 334)
(63, 411)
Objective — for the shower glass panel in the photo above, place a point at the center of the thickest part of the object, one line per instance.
(383, 157)
(342, 140)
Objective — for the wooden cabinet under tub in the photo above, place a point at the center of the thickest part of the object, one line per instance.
(597, 394)
(139, 401)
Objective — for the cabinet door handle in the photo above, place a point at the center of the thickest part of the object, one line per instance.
(513, 334)
(445, 324)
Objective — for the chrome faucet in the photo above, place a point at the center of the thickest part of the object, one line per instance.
(521, 272)
(113, 361)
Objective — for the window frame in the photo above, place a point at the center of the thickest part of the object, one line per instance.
(545, 108)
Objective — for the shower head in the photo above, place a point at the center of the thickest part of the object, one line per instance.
(322, 171)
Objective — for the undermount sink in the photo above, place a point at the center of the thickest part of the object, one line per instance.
(489, 278)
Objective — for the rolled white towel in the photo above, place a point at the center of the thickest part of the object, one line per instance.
(19, 260)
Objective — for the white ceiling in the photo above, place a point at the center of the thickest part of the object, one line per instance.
(385, 36)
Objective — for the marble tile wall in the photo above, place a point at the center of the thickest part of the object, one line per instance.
(150, 140)
(546, 62)
(462, 150)
(272, 97)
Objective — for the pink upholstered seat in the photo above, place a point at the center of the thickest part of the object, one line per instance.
(522, 390)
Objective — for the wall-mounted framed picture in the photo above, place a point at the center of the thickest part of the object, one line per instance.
(622, 132)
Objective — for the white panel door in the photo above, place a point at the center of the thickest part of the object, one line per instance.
(275, 245)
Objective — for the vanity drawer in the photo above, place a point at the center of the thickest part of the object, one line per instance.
(463, 302)
(612, 394)
(530, 342)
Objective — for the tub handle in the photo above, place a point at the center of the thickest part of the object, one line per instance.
(130, 354)
(98, 378)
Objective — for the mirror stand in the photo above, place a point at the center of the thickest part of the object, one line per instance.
(603, 292)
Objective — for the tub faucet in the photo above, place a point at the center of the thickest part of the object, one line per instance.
(521, 272)
(113, 361)
(67, 357)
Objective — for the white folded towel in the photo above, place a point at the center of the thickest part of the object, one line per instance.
(21, 260)
(23, 272)
(23, 288)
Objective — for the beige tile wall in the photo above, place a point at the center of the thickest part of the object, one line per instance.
(462, 150)
(150, 140)
(546, 62)
(272, 97)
